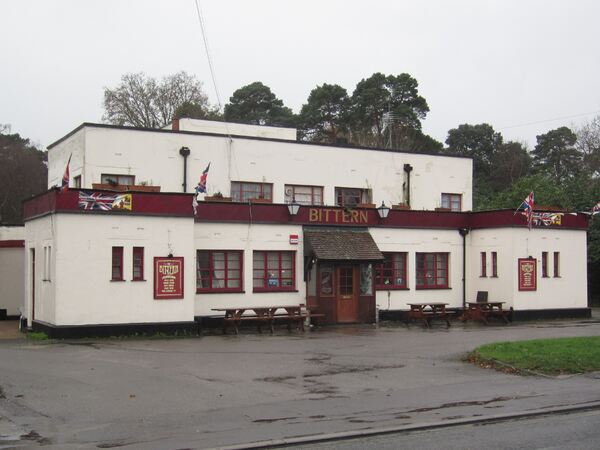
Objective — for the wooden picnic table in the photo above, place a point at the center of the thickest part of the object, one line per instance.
(264, 315)
(427, 312)
(485, 310)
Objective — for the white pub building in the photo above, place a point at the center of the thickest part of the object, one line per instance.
(349, 232)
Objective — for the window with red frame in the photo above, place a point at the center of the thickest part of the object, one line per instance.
(556, 266)
(494, 265)
(274, 271)
(117, 264)
(351, 197)
(304, 195)
(483, 264)
(245, 191)
(452, 201)
(544, 264)
(219, 270)
(391, 274)
(432, 270)
(138, 264)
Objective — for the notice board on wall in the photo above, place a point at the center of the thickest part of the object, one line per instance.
(527, 274)
(168, 278)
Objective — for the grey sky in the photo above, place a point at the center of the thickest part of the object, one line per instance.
(505, 62)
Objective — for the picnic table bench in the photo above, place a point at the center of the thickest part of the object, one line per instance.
(427, 312)
(266, 315)
(485, 310)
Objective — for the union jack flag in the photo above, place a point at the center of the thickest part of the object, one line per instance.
(527, 208)
(202, 183)
(65, 179)
(96, 201)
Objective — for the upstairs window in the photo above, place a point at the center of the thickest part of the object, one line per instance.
(77, 181)
(391, 274)
(452, 202)
(432, 270)
(242, 191)
(304, 195)
(350, 197)
(117, 180)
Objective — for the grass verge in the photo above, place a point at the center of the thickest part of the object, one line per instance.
(547, 356)
(37, 335)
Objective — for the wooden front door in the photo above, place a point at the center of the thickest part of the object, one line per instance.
(347, 293)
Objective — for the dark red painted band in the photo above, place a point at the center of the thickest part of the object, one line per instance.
(14, 243)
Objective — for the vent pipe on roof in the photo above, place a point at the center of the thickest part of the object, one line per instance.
(408, 169)
(185, 152)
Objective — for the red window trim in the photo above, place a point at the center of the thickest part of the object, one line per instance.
(452, 196)
(379, 275)
(138, 251)
(241, 191)
(312, 192)
(278, 288)
(544, 264)
(556, 265)
(483, 265)
(205, 290)
(494, 264)
(424, 268)
(117, 257)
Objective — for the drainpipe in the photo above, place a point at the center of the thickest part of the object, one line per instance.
(463, 232)
(185, 152)
(408, 169)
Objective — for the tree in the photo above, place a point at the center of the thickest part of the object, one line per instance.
(142, 101)
(480, 142)
(510, 162)
(555, 154)
(385, 109)
(588, 144)
(189, 110)
(324, 118)
(23, 173)
(256, 104)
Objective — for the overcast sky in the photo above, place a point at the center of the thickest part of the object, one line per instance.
(509, 63)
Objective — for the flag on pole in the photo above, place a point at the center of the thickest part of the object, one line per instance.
(526, 208)
(201, 188)
(65, 179)
(596, 209)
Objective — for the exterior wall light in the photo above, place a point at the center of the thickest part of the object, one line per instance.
(383, 211)
(293, 208)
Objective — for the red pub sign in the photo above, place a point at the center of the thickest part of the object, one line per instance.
(168, 277)
(527, 274)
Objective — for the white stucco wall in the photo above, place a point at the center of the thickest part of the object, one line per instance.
(567, 291)
(239, 129)
(421, 241)
(153, 157)
(12, 232)
(39, 234)
(12, 274)
(249, 238)
(59, 155)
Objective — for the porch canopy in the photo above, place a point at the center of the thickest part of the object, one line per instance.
(346, 244)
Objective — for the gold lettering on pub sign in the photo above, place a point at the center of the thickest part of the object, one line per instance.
(324, 215)
(168, 270)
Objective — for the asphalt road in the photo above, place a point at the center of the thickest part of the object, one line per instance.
(580, 431)
(227, 390)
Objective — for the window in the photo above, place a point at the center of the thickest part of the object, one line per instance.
(219, 271)
(351, 196)
(47, 263)
(305, 195)
(117, 179)
(366, 279)
(138, 264)
(544, 264)
(494, 264)
(274, 271)
(244, 192)
(556, 266)
(452, 201)
(391, 274)
(483, 264)
(432, 270)
(117, 264)
(77, 181)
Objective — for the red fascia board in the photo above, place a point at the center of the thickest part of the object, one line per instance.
(12, 243)
(144, 203)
